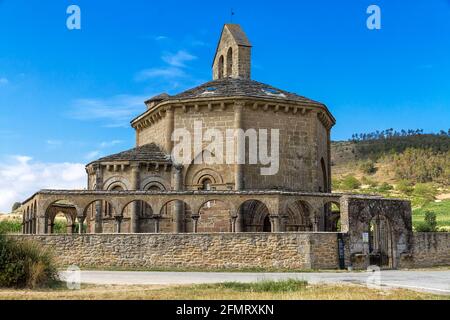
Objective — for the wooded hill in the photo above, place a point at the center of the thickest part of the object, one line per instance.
(405, 155)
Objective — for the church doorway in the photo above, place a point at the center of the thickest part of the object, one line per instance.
(380, 242)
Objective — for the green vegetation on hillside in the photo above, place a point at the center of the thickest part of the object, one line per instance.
(375, 144)
(442, 211)
(407, 164)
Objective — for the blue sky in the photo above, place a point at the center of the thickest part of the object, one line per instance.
(66, 97)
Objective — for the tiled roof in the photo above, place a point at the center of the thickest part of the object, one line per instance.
(229, 87)
(159, 97)
(149, 152)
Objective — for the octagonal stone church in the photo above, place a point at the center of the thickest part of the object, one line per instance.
(143, 190)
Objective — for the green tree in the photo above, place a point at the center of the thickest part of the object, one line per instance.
(368, 167)
(430, 220)
(350, 183)
(15, 206)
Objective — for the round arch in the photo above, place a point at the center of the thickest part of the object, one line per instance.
(254, 216)
(382, 251)
(215, 216)
(115, 181)
(175, 215)
(152, 182)
(298, 215)
(65, 210)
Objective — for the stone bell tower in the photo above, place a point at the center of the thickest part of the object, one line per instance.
(233, 54)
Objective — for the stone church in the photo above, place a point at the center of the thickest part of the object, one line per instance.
(231, 101)
(144, 191)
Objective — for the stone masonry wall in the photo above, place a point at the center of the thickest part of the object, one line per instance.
(220, 250)
(429, 249)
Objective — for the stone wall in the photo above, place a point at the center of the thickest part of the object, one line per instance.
(429, 249)
(220, 250)
(156, 133)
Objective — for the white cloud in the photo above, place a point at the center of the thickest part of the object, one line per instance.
(52, 142)
(21, 177)
(3, 81)
(178, 59)
(164, 73)
(116, 111)
(159, 38)
(107, 144)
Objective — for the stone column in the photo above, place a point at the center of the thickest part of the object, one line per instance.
(178, 215)
(195, 223)
(316, 223)
(169, 129)
(118, 224)
(98, 204)
(275, 223)
(329, 160)
(233, 224)
(80, 224)
(39, 222)
(135, 183)
(156, 218)
(238, 167)
(239, 223)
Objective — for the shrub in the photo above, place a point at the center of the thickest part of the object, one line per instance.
(384, 187)
(335, 183)
(422, 227)
(350, 183)
(405, 186)
(425, 191)
(430, 220)
(429, 224)
(60, 227)
(10, 226)
(368, 167)
(25, 264)
(367, 181)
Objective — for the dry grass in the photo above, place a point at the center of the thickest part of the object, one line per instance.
(216, 292)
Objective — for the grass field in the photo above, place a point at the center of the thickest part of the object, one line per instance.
(269, 290)
(442, 210)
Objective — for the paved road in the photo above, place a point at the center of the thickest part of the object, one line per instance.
(428, 281)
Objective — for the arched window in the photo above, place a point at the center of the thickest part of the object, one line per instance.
(229, 62)
(206, 184)
(221, 62)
